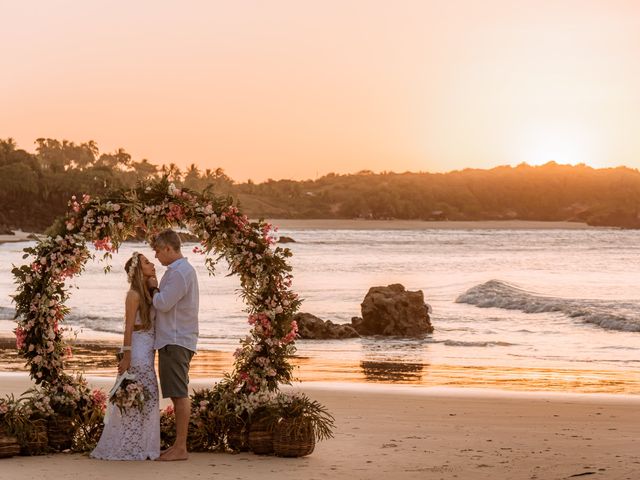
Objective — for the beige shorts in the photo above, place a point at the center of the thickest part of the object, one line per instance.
(173, 369)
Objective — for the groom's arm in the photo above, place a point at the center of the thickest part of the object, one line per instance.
(172, 291)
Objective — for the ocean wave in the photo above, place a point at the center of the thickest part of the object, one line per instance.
(460, 343)
(620, 316)
(93, 322)
(618, 347)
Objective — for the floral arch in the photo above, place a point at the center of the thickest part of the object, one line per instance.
(261, 362)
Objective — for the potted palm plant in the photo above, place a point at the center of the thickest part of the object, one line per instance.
(300, 423)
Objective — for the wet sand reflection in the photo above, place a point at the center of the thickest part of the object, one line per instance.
(99, 359)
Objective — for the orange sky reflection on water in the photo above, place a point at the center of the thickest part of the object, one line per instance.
(100, 361)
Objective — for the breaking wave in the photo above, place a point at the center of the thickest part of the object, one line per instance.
(621, 316)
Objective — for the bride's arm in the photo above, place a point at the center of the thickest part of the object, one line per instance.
(131, 307)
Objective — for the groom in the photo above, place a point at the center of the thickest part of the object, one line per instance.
(176, 301)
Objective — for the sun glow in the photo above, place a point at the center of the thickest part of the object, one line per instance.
(565, 144)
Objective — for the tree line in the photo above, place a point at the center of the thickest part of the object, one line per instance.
(35, 188)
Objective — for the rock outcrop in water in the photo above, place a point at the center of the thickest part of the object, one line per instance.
(311, 327)
(393, 311)
(387, 311)
(283, 239)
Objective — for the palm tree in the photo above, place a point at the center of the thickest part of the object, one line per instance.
(192, 177)
(144, 169)
(172, 172)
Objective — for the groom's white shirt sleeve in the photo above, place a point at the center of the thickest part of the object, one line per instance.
(173, 289)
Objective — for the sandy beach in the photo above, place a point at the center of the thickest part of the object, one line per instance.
(404, 432)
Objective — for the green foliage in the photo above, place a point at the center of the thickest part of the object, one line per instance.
(34, 189)
(300, 412)
(8, 413)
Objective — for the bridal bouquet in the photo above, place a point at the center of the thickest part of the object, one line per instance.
(128, 393)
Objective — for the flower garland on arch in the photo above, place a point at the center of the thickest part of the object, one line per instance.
(261, 362)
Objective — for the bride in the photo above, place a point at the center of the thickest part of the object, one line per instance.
(135, 434)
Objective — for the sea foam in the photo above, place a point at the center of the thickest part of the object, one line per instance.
(621, 316)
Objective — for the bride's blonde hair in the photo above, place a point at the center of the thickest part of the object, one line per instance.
(136, 279)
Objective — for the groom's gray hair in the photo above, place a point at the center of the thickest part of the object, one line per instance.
(166, 238)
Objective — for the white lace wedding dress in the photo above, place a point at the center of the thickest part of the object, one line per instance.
(134, 434)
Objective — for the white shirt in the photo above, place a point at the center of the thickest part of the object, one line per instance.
(177, 305)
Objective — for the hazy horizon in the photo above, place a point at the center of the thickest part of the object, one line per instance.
(363, 171)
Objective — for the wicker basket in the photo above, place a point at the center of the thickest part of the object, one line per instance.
(293, 438)
(60, 432)
(9, 445)
(35, 441)
(261, 437)
(238, 437)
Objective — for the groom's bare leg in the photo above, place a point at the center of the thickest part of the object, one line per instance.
(178, 451)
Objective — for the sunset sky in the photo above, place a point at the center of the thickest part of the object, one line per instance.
(297, 89)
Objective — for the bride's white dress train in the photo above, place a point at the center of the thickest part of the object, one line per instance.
(134, 435)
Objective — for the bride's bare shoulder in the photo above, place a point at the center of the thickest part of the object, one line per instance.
(133, 296)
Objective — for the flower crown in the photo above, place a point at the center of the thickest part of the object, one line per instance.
(135, 258)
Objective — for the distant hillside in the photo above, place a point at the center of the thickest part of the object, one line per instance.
(551, 192)
(35, 188)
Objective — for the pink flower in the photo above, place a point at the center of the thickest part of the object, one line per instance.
(169, 410)
(293, 333)
(99, 398)
(69, 389)
(69, 272)
(21, 335)
(175, 212)
(104, 244)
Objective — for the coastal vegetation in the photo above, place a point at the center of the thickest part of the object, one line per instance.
(35, 188)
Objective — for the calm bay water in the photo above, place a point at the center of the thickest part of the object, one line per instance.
(517, 300)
